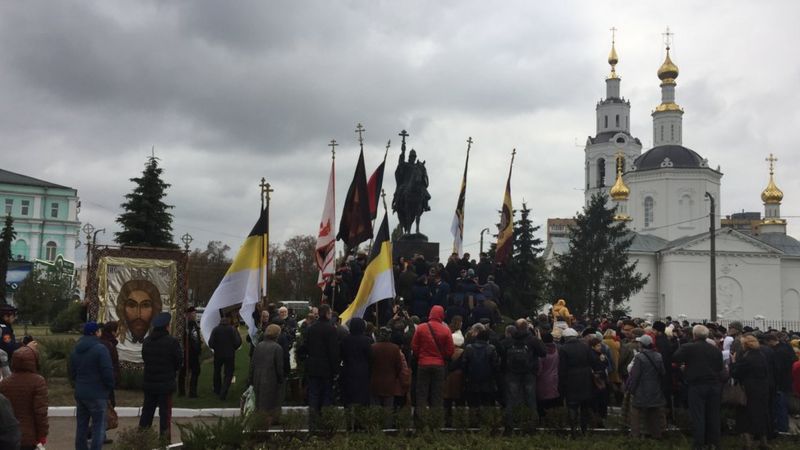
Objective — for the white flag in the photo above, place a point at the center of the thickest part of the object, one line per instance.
(326, 238)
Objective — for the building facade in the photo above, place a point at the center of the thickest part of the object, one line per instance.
(45, 217)
(664, 195)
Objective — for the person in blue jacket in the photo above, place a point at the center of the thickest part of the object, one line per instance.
(91, 371)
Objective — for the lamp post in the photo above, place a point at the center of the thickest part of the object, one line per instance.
(88, 228)
(713, 254)
(483, 231)
(187, 240)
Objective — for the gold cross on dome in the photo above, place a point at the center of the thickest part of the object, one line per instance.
(613, 33)
(668, 37)
(772, 160)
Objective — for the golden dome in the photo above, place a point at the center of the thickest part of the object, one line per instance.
(613, 59)
(771, 195)
(668, 71)
(619, 191)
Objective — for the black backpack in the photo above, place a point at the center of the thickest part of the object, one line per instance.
(518, 359)
(479, 366)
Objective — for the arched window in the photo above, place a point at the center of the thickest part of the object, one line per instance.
(662, 132)
(20, 249)
(617, 120)
(606, 122)
(626, 123)
(50, 251)
(672, 132)
(685, 207)
(648, 212)
(601, 172)
(587, 175)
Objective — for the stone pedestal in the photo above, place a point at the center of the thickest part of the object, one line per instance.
(407, 249)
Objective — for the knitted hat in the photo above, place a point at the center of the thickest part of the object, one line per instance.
(659, 326)
(162, 320)
(90, 328)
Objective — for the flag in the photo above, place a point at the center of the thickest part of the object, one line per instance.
(457, 227)
(505, 234)
(374, 189)
(355, 226)
(240, 288)
(326, 241)
(378, 280)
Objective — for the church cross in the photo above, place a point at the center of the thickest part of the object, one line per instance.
(620, 158)
(266, 188)
(404, 134)
(772, 160)
(668, 38)
(469, 141)
(613, 33)
(333, 145)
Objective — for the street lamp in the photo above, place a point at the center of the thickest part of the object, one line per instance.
(713, 255)
(187, 240)
(88, 228)
(483, 231)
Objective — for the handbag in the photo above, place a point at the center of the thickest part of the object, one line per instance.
(112, 420)
(733, 394)
(599, 380)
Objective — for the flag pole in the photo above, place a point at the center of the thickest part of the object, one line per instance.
(463, 206)
(266, 190)
(385, 212)
(385, 154)
(333, 145)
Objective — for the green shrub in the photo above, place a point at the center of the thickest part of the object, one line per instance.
(131, 377)
(53, 356)
(135, 438)
(67, 320)
(225, 433)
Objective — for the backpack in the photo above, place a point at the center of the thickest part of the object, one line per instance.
(518, 359)
(479, 366)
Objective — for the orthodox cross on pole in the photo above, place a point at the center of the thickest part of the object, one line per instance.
(266, 190)
(333, 145)
(620, 161)
(360, 130)
(469, 143)
(668, 38)
(383, 197)
(613, 31)
(772, 160)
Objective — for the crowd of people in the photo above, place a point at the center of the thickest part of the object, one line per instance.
(436, 349)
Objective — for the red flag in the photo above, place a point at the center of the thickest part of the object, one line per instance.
(355, 226)
(374, 189)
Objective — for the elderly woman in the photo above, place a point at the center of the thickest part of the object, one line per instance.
(750, 369)
(267, 373)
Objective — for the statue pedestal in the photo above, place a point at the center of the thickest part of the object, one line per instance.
(407, 249)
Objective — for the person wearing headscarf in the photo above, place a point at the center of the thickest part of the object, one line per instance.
(27, 392)
(750, 370)
(454, 380)
(268, 374)
(575, 378)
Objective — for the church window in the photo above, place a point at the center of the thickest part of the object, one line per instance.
(20, 251)
(648, 212)
(606, 122)
(626, 122)
(617, 120)
(662, 132)
(685, 207)
(54, 210)
(9, 205)
(672, 132)
(50, 251)
(587, 175)
(601, 172)
(24, 207)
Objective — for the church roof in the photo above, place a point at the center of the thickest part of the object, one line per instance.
(664, 156)
(785, 243)
(606, 136)
(646, 243)
(15, 178)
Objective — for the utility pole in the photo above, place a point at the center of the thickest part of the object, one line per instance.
(713, 254)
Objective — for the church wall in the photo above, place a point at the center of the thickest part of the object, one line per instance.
(746, 285)
(646, 300)
(790, 289)
(679, 204)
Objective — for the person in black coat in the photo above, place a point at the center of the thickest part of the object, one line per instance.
(750, 369)
(322, 347)
(192, 345)
(575, 378)
(163, 358)
(421, 297)
(784, 358)
(355, 351)
(224, 340)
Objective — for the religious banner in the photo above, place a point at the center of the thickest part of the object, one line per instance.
(133, 291)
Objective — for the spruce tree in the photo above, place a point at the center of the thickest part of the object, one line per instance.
(147, 220)
(6, 238)
(595, 276)
(526, 273)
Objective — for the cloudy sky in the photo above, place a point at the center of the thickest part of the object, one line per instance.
(229, 92)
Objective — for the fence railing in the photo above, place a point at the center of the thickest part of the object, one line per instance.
(761, 324)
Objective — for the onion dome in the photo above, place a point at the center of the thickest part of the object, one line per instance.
(771, 195)
(668, 71)
(613, 59)
(619, 191)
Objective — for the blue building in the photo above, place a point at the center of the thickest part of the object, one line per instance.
(45, 217)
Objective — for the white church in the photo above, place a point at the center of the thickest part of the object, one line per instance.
(662, 194)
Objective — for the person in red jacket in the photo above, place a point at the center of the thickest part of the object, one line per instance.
(433, 345)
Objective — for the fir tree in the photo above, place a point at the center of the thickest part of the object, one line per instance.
(595, 276)
(6, 238)
(526, 273)
(147, 220)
